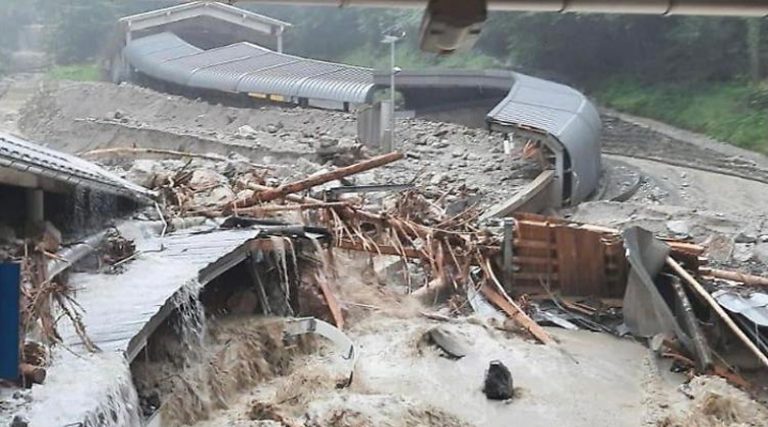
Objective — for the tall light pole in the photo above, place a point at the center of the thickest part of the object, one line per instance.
(391, 37)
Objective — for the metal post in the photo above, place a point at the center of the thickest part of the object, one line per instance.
(392, 95)
(508, 252)
(280, 40)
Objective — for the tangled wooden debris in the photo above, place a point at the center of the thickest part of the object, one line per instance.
(537, 257)
(582, 269)
(45, 301)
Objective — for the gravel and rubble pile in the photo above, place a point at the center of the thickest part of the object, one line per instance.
(448, 161)
(733, 241)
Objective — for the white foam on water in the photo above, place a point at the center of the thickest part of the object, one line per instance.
(93, 389)
(191, 324)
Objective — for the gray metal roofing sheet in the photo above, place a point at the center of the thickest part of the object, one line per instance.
(245, 67)
(26, 156)
(227, 76)
(754, 306)
(565, 114)
(151, 56)
(208, 58)
(351, 80)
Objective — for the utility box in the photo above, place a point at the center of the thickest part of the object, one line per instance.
(10, 274)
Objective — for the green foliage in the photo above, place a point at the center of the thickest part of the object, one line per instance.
(77, 72)
(78, 29)
(735, 112)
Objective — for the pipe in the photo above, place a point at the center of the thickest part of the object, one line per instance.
(70, 255)
(756, 8)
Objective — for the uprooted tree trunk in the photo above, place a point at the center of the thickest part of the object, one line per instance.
(270, 193)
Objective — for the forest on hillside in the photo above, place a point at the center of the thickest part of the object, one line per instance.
(704, 73)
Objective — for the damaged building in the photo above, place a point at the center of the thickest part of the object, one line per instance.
(221, 235)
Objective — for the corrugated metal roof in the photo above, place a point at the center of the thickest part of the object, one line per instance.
(754, 306)
(563, 113)
(26, 156)
(248, 68)
(151, 55)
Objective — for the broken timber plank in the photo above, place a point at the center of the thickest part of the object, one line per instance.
(500, 299)
(747, 279)
(517, 314)
(696, 286)
(259, 210)
(529, 198)
(315, 180)
(333, 303)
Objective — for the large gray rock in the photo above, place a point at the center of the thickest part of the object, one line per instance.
(144, 172)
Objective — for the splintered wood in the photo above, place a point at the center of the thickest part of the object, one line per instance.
(548, 255)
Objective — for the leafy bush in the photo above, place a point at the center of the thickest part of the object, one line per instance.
(78, 29)
(76, 72)
(725, 111)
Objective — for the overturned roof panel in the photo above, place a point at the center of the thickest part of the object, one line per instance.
(25, 156)
(247, 68)
(561, 112)
(195, 9)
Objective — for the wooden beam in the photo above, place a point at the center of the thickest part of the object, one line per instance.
(500, 299)
(747, 279)
(528, 198)
(315, 180)
(333, 303)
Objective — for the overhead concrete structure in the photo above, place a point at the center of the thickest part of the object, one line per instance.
(430, 89)
(757, 8)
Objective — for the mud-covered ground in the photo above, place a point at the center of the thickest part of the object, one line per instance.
(627, 136)
(590, 379)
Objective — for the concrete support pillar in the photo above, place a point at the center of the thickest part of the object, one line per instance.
(280, 40)
(35, 205)
(386, 122)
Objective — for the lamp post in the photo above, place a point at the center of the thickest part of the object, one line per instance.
(392, 36)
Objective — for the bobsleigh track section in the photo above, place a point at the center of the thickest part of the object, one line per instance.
(241, 58)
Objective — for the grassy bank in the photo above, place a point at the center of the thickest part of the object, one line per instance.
(76, 72)
(732, 112)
